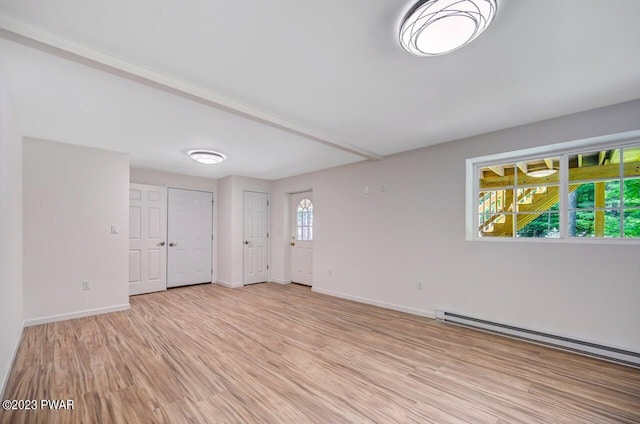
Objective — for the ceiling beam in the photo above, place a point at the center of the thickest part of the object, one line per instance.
(522, 166)
(576, 175)
(31, 37)
(615, 157)
(497, 169)
(602, 156)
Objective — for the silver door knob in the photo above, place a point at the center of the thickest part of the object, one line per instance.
(173, 244)
(161, 243)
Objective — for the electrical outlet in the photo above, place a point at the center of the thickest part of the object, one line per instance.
(86, 285)
(330, 272)
(419, 284)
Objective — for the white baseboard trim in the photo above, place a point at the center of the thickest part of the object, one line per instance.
(275, 280)
(144, 288)
(229, 285)
(78, 314)
(386, 305)
(5, 380)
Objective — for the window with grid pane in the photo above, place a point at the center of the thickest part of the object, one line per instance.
(305, 220)
(519, 199)
(604, 193)
(589, 193)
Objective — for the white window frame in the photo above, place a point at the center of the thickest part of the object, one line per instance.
(303, 226)
(561, 150)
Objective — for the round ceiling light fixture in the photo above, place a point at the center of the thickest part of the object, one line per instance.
(539, 173)
(437, 27)
(208, 157)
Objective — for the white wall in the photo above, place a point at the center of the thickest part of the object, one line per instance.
(225, 218)
(228, 215)
(170, 180)
(72, 195)
(378, 245)
(167, 179)
(281, 225)
(11, 235)
(230, 223)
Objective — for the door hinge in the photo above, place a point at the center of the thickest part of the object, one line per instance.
(267, 203)
(267, 235)
(211, 236)
(267, 267)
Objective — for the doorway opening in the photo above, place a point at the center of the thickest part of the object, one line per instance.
(301, 237)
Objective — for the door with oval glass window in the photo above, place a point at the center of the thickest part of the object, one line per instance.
(301, 238)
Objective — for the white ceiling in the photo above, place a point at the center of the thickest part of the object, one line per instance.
(330, 70)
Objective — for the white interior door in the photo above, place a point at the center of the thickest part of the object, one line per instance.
(302, 238)
(147, 238)
(256, 250)
(190, 237)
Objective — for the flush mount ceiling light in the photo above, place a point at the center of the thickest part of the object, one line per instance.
(208, 157)
(436, 27)
(541, 173)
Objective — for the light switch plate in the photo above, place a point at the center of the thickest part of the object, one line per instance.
(115, 229)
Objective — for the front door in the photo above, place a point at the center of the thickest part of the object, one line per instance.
(147, 238)
(190, 237)
(302, 238)
(256, 243)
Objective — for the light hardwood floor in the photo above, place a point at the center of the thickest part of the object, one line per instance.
(282, 354)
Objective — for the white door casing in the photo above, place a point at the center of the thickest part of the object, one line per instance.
(301, 241)
(256, 237)
(147, 238)
(189, 236)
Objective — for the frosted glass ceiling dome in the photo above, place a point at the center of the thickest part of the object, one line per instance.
(437, 27)
(208, 157)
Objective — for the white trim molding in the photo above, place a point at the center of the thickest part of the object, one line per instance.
(146, 287)
(229, 285)
(78, 314)
(386, 305)
(5, 380)
(275, 280)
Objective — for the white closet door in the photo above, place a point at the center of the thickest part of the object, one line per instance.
(256, 246)
(190, 237)
(147, 238)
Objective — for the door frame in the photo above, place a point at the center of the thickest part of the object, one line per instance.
(214, 252)
(268, 234)
(290, 224)
(146, 287)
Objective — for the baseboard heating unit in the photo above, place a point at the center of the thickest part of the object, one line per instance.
(608, 353)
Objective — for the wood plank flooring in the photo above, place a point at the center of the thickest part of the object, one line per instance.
(283, 354)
